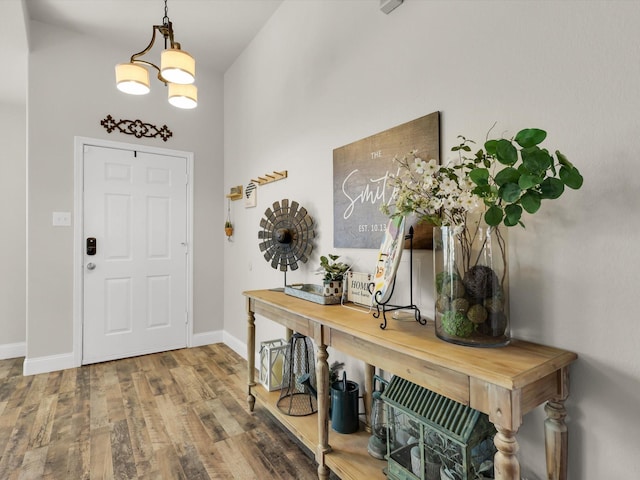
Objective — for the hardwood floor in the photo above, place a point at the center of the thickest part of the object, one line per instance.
(172, 415)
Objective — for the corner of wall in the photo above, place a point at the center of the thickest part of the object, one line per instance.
(206, 338)
(13, 350)
(235, 344)
(50, 363)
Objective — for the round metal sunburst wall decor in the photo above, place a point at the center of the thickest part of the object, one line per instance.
(285, 235)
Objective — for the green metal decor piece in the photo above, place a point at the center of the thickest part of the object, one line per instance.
(431, 432)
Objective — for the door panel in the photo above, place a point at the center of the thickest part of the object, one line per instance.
(135, 294)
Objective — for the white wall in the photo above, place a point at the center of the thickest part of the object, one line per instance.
(71, 89)
(13, 232)
(13, 160)
(322, 74)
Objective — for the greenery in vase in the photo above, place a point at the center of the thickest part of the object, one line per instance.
(228, 224)
(332, 270)
(497, 183)
(507, 177)
(515, 175)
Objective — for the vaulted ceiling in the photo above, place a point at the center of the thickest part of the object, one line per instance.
(215, 32)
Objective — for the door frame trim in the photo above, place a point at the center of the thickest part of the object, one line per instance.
(78, 231)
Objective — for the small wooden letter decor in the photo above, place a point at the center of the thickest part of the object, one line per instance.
(360, 173)
(138, 128)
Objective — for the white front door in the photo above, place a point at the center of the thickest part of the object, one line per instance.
(135, 279)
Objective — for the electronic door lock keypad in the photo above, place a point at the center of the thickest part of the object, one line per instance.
(91, 246)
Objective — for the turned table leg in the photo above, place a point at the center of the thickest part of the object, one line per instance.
(556, 440)
(322, 378)
(556, 437)
(369, 372)
(506, 463)
(251, 356)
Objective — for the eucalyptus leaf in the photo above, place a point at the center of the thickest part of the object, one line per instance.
(507, 175)
(535, 159)
(482, 191)
(512, 213)
(571, 177)
(551, 188)
(490, 146)
(510, 192)
(493, 216)
(506, 153)
(479, 176)
(563, 160)
(531, 201)
(530, 137)
(529, 181)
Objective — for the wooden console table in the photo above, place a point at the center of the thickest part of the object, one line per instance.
(505, 383)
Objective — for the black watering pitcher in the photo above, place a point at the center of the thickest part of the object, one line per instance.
(344, 405)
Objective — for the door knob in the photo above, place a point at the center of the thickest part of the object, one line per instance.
(91, 266)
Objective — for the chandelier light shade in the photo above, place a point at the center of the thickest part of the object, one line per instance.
(132, 79)
(177, 69)
(183, 96)
(177, 66)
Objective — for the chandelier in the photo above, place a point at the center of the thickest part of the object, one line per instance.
(177, 69)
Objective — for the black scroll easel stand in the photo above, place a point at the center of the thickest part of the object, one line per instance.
(384, 307)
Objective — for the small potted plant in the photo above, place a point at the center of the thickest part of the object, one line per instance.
(333, 274)
(228, 228)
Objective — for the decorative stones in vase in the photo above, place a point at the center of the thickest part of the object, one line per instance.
(472, 284)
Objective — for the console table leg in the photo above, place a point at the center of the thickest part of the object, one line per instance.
(369, 372)
(506, 463)
(556, 437)
(251, 355)
(322, 378)
(323, 472)
(556, 440)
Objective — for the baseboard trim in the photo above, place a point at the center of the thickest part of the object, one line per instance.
(234, 344)
(52, 363)
(13, 350)
(206, 338)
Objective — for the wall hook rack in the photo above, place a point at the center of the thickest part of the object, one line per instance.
(270, 177)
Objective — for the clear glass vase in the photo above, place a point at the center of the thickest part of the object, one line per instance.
(472, 284)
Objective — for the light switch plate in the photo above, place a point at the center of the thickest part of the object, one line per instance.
(61, 219)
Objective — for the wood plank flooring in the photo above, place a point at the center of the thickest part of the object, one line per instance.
(172, 415)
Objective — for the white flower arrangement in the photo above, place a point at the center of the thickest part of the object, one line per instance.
(440, 194)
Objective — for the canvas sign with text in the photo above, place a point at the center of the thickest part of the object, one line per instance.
(360, 182)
